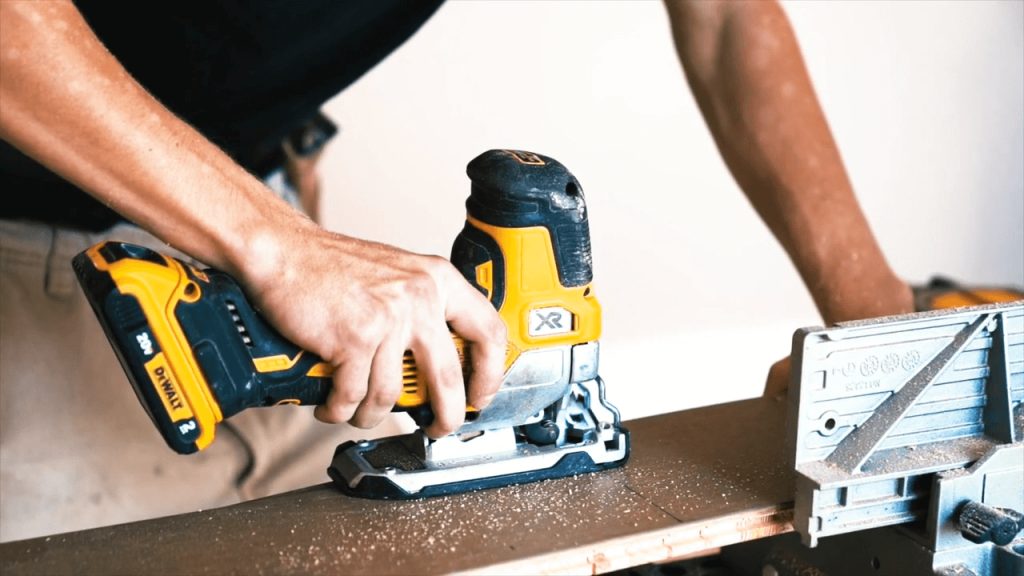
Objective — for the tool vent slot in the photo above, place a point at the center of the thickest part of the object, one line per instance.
(236, 318)
(409, 374)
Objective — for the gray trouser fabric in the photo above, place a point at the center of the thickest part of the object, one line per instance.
(76, 448)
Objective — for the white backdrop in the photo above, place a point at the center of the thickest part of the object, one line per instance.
(926, 101)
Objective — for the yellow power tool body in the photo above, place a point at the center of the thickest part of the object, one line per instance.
(196, 352)
(942, 293)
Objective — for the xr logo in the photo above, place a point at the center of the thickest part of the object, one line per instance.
(549, 321)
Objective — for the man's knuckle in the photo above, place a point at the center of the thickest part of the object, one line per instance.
(365, 337)
(364, 420)
(447, 423)
(422, 287)
(438, 272)
(380, 398)
(337, 413)
(347, 396)
(438, 264)
(328, 416)
(497, 332)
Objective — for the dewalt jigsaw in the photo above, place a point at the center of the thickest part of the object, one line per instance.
(196, 352)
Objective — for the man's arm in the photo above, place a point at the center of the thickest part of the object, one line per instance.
(65, 101)
(744, 66)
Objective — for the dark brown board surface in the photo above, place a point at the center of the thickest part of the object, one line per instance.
(705, 477)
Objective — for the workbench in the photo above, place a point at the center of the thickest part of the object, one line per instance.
(696, 480)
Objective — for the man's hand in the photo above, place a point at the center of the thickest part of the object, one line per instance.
(360, 305)
(777, 382)
(70, 105)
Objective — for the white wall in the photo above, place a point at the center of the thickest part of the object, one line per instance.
(926, 100)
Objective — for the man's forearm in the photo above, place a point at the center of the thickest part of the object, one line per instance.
(747, 74)
(359, 305)
(68, 103)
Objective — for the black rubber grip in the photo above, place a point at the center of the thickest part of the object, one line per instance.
(517, 189)
(474, 247)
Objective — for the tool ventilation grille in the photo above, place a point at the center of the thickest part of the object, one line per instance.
(243, 332)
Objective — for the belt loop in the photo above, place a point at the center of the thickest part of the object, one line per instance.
(59, 281)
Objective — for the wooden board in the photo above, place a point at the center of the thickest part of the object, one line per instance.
(696, 480)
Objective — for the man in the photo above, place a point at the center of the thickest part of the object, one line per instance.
(177, 127)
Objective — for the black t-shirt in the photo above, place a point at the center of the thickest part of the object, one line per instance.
(245, 73)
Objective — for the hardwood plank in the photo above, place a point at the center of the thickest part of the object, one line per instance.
(696, 480)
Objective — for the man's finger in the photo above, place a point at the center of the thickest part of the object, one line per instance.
(385, 384)
(350, 384)
(437, 363)
(478, 323)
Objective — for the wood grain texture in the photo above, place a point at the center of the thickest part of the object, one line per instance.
(696, 480)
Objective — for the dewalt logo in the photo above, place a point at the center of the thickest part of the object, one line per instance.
(170, 392)
(168, 387)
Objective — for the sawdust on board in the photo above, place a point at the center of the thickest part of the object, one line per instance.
(407, 535)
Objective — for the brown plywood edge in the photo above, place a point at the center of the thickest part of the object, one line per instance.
(696, 480)
(677, 542)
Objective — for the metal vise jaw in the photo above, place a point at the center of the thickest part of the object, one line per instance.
(914, 420)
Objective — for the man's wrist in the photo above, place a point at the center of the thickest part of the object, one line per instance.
(855, 292)
(257, 247)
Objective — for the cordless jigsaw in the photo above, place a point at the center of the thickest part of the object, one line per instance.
(197, 352)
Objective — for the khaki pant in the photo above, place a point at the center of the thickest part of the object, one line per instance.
(76, 448)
